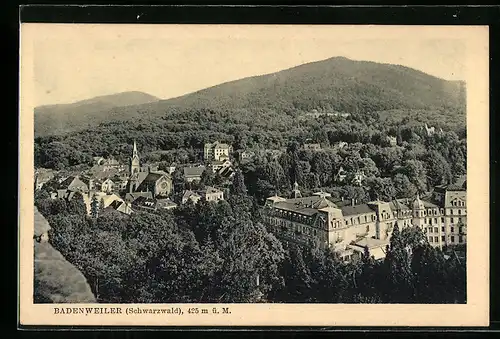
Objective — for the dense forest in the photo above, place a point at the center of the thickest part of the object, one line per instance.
(417, 163)
(221, 252)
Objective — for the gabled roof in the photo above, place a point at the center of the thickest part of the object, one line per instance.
(187, 194)
(398, 205)
(145, 202)
(428, 204)
(194, 171)
(72, 180)
(371, 243)
(356, 209)
(165, 203)
(322, 203)
(135, 195)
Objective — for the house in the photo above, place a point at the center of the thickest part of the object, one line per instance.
(42, 176)
(193, 173)
(358, 178)
(190, 196)
(216, 166)
(312, 147)
(227, 172)
(340, 145)
(98, 160)
(151, 204)
(376, 248)
(216, 151)
(144, 204)
(120, 206)
(245, 155)
(166, 204)
(104, 198)
(129, 197)
(74, 184)
(393, 141)
(107, 186)
(429, 130)
(341, 175)
(211, 194)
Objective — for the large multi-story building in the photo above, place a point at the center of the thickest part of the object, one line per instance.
(348, 228)
(216, 151)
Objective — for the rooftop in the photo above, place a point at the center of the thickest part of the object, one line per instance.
(194, 171)
(356, 209)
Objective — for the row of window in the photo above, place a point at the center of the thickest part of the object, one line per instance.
(434, 239)
(436, 229)
(288, 226)
(357, 220)
(430, 221)
(458, 203)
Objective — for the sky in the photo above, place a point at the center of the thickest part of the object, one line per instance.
(76, 62)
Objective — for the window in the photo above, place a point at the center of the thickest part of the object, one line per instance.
(366, 218)
(442, 238)
(368, 228)
(459, 219)
(436, 239)
(430, 239)
(452, 238)
(460, 229)
(436, 230)
(436, 220)
(452, 229)
(452, 220)
(459, 211)
(430, 221)
(442, 220)
(442, 229)
(460, 239)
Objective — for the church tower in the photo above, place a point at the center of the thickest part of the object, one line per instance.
(135, 163)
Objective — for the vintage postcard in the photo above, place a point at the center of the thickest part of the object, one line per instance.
(254, 175)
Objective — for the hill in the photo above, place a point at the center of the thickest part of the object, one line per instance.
(55, 119)
(338, 84)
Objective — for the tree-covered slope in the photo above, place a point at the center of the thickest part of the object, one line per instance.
(337, 84)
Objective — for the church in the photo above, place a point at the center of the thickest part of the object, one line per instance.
(145, 178)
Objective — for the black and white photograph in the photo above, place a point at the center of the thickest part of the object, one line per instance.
(227, 165)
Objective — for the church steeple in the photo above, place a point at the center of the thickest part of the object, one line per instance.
(135, 154)
(135, 161)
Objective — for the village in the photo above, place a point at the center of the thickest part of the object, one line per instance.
(344, 225)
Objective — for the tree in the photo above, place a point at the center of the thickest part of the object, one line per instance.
(238, 187)
(94, 207)
(178, 180)
(438, 169)
(399, 288)
(76, 205)
(207, 178)
(403, 186)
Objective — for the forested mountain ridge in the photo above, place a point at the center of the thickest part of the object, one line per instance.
(60, 118)
(337, 84)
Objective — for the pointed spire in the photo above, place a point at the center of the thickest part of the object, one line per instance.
(135, 149)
